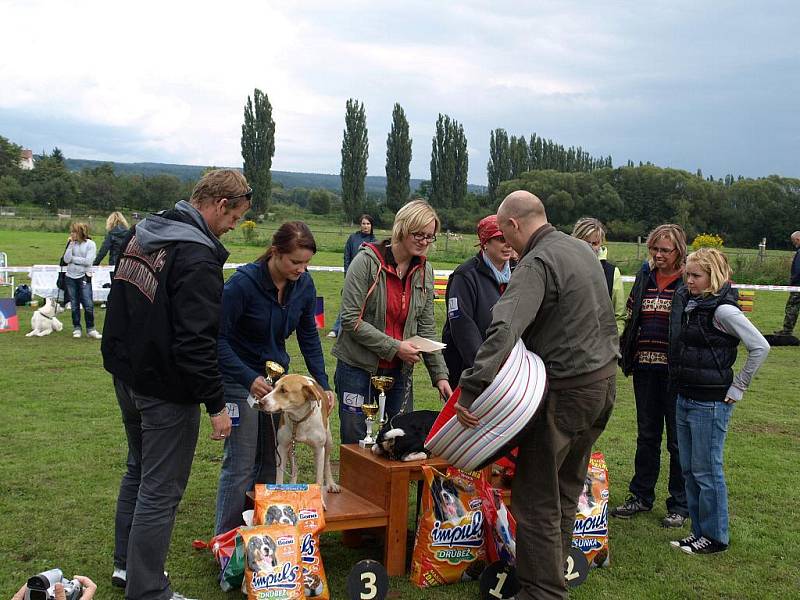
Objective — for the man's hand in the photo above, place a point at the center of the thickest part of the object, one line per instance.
(729, 400)
(408, 352)
(444, 389)
(466, 418)
(220, 426)
(260, 388)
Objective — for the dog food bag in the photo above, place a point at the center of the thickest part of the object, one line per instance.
(499, 525)
(591, 522)
(300, 503)
(228, 551)
(449, 541)
(273, 569)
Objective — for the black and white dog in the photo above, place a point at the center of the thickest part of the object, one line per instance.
(403, 437)
(779, 339)
(261, 553)
(281, 513)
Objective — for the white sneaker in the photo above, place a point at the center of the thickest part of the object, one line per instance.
(331, 334)
(119, 578)
(177, 596)
(93, 333)
(76, 333)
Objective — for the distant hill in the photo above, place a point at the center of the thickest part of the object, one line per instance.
(375, 184)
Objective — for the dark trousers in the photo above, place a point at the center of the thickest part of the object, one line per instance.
(655, 411)
(353, 389)
(161, 441)
(551, 468)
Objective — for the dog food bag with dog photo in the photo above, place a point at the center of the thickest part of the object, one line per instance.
(300, 503)
(591, 522)
(449, 542)
(272, 562)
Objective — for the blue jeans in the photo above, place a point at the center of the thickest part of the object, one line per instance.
(702, 427)
(80, 293)
(162, 437)
(353, 386)
(248, 458)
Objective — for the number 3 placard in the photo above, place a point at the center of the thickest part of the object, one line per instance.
(367, 581)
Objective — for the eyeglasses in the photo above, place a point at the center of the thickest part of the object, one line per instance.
(657, 250)
(422, 237)
(248, 194)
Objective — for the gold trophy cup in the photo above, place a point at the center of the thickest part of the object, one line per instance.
(371, 409)
(274, 371)
(382, 383)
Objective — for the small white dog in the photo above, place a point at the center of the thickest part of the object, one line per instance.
(304, 418)
(44, 321)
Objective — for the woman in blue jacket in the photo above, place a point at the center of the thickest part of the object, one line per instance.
(262, 304)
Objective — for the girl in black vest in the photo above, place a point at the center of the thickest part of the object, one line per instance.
(711, 328)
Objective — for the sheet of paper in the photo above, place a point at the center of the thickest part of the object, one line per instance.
(425, 344)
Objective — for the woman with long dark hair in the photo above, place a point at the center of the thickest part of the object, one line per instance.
(262, 304)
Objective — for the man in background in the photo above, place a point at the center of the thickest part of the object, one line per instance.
(793, 303)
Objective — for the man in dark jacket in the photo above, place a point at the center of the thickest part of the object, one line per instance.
(557, 302)
(793, 303)
(161, 347)
(472, 290)
(362, 236)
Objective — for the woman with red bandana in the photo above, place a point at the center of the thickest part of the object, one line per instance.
(472, 291)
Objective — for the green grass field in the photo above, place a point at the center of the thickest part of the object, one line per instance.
(63, 452)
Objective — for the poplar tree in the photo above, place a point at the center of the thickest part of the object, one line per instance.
(355, 151)
(398, 160)
(449, 164)
(499, 166)
(258, 148)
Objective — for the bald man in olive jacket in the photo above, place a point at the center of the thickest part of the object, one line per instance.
(557, 301)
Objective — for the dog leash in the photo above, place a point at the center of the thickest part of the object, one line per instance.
(292, 450)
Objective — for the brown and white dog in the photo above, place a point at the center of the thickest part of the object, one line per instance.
(304, 418)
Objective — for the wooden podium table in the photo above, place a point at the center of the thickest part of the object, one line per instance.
(384, 483)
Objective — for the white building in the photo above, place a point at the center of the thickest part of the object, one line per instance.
(26, 160)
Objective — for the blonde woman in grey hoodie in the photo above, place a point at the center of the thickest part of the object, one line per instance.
(79, 258)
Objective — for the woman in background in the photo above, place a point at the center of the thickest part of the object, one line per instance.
(654, 307)
(472, 290)
(79, 258)
(388, 298)
(262, 304)
(116, 230)
(711, 327)
(362, 236)
(593, 233)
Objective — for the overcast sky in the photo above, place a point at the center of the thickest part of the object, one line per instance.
(688, 84)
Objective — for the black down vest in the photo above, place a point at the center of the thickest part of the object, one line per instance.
(706, 354)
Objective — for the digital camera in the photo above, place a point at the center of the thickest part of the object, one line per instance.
(42, 586)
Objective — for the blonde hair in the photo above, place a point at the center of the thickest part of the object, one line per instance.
(673, 233)
(81, 229)
(220, 183)
(715, 264)
(411, 218)
(587, 227)
(114, 219)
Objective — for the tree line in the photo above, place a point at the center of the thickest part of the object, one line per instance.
(571, 182)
